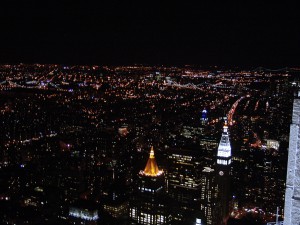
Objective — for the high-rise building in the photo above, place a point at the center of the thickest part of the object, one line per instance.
(223, 173)
(115, 202)
(209, 146)
(148, 205)
(292, 193)
(184, 184)
(209, 195)
(183, 173)
(204, 118)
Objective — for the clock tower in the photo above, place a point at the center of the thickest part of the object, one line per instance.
(223, 174)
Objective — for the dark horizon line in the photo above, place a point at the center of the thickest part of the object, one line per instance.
(268, 66)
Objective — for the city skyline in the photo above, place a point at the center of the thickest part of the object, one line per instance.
(149, 113)
(76, 139)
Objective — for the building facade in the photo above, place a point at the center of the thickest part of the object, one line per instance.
(223, 174)
(292, 193)
(148, 204)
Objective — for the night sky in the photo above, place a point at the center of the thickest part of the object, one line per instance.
(149, 32)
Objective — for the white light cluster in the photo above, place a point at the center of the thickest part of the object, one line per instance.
(160, 172)
(83, 214)
(223, 162)
(198, 221)
(224, 149)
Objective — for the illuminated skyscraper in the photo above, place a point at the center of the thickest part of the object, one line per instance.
(223, 173)
(209, 146)
(148, 204)
(204, 118)
(184, 175)
(292, 192)
(151, 168)
(224, 149)
(184, 184)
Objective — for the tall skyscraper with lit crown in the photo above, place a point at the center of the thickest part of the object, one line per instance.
(224, 148)
(148, 204)
(223, 173)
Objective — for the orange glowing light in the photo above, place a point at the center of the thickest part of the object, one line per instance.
(151, 168)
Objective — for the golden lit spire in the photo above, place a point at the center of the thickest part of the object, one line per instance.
(151, 168)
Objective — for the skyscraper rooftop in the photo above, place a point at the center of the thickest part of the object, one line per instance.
(151, 168)
(224, 149)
